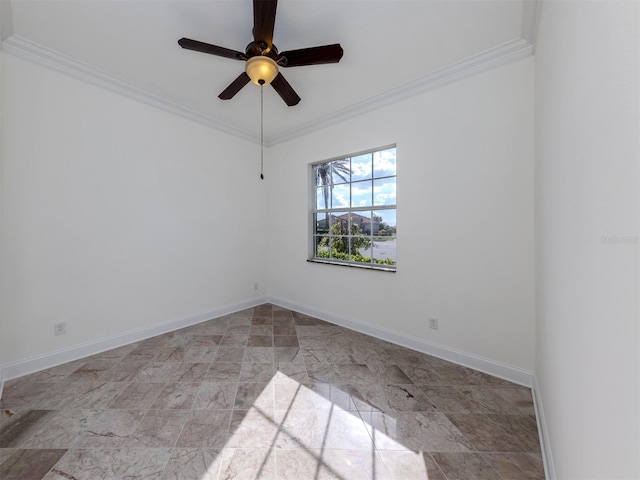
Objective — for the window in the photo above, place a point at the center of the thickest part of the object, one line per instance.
(354, 210)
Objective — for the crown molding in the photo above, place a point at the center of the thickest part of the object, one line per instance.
(44, 56)
(499, 55)
(502, 54)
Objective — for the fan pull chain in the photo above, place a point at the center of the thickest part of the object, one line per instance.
(261, 132)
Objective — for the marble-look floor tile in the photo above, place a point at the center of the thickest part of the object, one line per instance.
(156, 372)
(419, 431)
(193, 464)
(30, 464)
(389, 398)
(111, 463)
(285, 371)
(522, 429)
(123, 371)
(291, 395)
(288, 355)
(63, 429)
(98, 394)
(520, 398)
(258, 355)
(200, 354)
(328, 396)
(205, 429)
(17, 429)
(259, 395)
(451, 400)
(5, 453)
(255, 464)
(465, 466)
(170, 354)
(91, 371)
(110, 429)
(20, 395)
(408, 464)
(138, 395)
(158, 428)
(483, 433)
(177, 396)
(517, 466)
(488, 401)
(344, 430)
(260, 341)
(190, 373)
(256, 372)
(422, 375)
(234, 341)
(60, 396)
(299, 429)
(207, 341)
(229, 354)
(253, 428)
(215, 396)
(285, 330)
(223, 372)
(327, 464)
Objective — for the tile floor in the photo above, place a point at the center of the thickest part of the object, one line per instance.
(266, 393)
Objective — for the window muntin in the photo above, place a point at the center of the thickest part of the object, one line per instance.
(354, 210)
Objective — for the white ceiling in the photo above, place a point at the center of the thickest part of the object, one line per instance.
(393, 48)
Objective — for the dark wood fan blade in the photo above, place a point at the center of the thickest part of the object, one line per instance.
(285, 90)
(312, 56)
(211, 49)
(235, 87)
(264, 19)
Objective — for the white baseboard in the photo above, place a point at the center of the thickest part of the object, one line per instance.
(48, 360)
(543, 433)
(486, 365)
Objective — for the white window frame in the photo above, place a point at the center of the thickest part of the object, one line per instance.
(335, 214)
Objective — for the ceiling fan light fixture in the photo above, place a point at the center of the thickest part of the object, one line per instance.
(261, 70)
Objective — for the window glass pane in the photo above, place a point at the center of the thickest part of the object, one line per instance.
(321, 223)
(384, 163)
(341, 173)
(361, 223)
(322, 174)
(321, 200)
(361, 194)
(340, 196)
(384, 191)
(340, 248)
(384, 250)
(321, 247)
(361, 167)
(384, 223)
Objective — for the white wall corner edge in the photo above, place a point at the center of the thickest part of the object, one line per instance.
(543, 433)
(48, 360)
(482, 364)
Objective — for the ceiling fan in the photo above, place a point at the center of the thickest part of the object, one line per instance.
(262, 57)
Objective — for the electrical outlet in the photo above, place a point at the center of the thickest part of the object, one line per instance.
(433, 323)
(59, 328)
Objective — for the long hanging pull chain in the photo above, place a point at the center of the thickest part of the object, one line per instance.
(261, 134)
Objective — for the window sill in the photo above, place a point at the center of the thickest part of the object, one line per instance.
(380, 268)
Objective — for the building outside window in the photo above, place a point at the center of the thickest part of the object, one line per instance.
(354, 210)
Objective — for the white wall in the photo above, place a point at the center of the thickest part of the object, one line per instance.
(587, 237)
(465, 218)
(117, 216)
